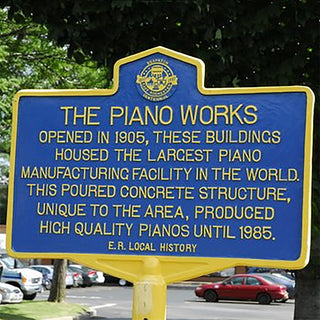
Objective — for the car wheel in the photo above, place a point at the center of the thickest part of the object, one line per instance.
(48, 285)
(29, 296)
(211, 296)
(264, 298)
(122, 282)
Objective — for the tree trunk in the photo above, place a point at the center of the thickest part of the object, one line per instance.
(307, 301)
(58, 288)
(307, 305)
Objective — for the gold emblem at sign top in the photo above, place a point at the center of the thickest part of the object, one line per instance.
(157, 82)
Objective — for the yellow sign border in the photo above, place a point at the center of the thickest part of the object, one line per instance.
(171, 268)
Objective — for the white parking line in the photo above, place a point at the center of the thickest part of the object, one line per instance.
(84, 297)
(108, 305)
(74, 297)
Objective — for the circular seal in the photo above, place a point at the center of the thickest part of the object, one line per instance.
(156, 82)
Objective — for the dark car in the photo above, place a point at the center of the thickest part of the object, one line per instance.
(114, 280)
(281, 279)
(243, 287)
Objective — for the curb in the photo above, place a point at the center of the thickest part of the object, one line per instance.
(185, 285)
(83, 316)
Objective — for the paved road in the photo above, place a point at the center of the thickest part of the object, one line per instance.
(115, 303)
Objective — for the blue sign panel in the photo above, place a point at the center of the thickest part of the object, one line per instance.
(162, 166)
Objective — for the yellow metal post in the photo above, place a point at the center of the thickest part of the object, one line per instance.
(150, 293)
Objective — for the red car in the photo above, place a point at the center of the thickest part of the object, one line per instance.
(243, 287)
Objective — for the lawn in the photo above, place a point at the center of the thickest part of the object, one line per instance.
(38, 310)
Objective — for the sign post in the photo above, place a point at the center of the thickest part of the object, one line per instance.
(160, 179)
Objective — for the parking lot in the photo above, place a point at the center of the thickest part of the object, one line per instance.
(115, 303)
(110, 301)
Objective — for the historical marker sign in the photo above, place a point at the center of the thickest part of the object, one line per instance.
(160, 166)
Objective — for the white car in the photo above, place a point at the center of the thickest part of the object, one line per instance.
(26, 279)
(48, 271)
(100, 278)
(10, 294)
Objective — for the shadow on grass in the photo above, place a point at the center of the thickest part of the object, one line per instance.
(36, 310)
(6, 314)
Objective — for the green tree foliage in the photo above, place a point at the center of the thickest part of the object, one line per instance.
(4, 179)
(243, 42)
(30, 60)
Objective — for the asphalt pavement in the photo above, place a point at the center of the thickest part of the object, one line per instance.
(92, 313)
(115, 303)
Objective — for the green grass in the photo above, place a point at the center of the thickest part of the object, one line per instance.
(38, 310)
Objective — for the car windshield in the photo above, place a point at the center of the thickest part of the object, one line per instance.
(281, 276)
(83, 268)
(269, 278)
(86, 269)
(11, 262)
(44, 270)
(75, 269)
